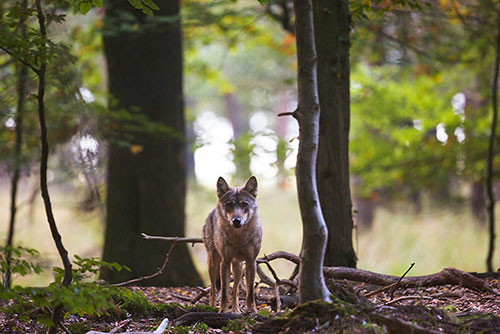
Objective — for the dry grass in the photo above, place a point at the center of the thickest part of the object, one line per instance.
(433, 240)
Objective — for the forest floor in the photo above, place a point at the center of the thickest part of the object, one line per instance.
(441, 309)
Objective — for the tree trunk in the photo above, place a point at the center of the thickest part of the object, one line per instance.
(147, 177)
(491, 149)
(331, 26)
(22, 77)
(311, 280)
(242, 150)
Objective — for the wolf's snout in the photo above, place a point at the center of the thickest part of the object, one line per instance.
(237, 222)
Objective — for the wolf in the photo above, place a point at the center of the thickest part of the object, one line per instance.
(232, 234)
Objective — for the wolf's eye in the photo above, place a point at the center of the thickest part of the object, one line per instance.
(243, 204)
(230, 205)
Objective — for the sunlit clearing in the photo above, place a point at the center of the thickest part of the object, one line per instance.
(441, 134)
(86, 95)
(459, 134)
(417, 124)
(10, 123)
(265, 156)
(212, 159)
(85, 149)
(458, 103)
(259, 121)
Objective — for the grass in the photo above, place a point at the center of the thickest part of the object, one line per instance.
(433, 240)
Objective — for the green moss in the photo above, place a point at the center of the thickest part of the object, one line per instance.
(78, 328)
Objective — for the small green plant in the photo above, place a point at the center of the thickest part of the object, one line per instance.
(236, 325)
(450, 308)
(87, 269)
(18, 260)
(199, 328)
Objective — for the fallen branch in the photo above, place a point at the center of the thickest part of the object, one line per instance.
(395, 325)
(446, 276)
(159, 272)
(174, 239)
(393, 301)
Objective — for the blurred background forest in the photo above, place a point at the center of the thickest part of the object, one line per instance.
(421, 77)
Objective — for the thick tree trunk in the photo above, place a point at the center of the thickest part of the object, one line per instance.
(147, 178)
(239, 123)
(491, 149)
(331, 26)
(311, 280)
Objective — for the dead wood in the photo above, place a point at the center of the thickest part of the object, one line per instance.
(159, 272)
(399, 326)
(174, 239)
(451, 276)
(446, 276)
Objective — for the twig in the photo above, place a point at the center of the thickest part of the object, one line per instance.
(280, 255)
(117, 328)
(399, 281)
(382, 289)
(174, 239)
(64, 328)
(293, 113)
(22, 61)
(276, 286)
(159, 272)
(405, 298)
(203, 293)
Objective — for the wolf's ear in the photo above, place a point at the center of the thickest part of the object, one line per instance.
(222, 187)
(251, 186)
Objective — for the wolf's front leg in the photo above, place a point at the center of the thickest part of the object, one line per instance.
(250, 269)
(224, 276)
(237, 269)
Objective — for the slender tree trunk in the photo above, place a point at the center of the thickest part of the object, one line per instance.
(45, 153)
(21, 99)
(146, 187)
(311, 279)
(332, 27)
(491, 154)
(68, 274)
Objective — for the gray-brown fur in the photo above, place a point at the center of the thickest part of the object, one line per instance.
(232, 234)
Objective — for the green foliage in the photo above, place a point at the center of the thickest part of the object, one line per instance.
(235, 326)
(242, 151)
(19, 260)
(147, 6)
(198, 328)
(87, 268)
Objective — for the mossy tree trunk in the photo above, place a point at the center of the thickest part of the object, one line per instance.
(331, 29)
(147, 174)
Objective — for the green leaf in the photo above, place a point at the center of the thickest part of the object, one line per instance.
(147, 11)
(136, 4)
(151, 4)
(85, 7)
(97, 3)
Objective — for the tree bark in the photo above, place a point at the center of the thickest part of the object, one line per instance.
(146, 176)
(491, 148)
(332, 27)
(311, 279)
(22, 78)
